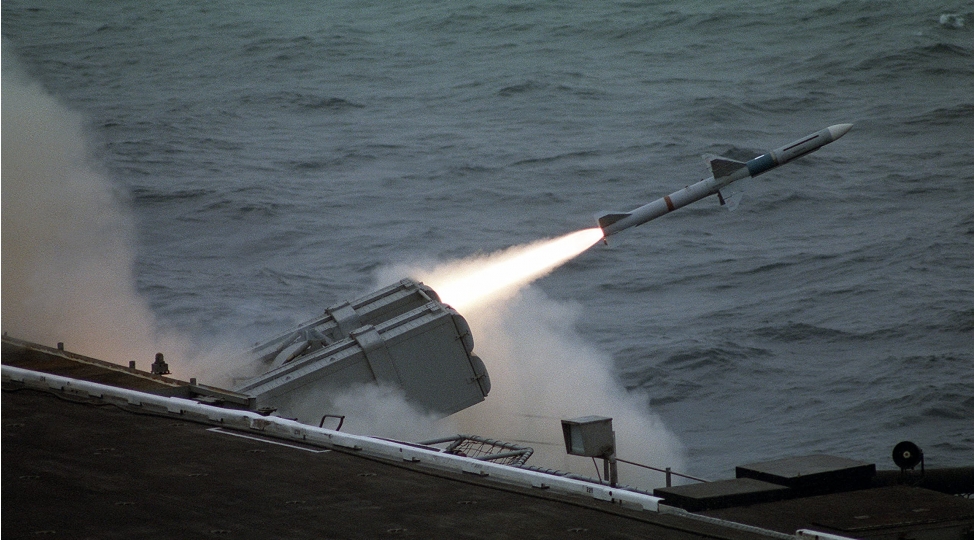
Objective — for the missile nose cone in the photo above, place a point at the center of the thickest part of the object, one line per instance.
(839, 130)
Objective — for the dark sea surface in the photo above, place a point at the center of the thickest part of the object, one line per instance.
(276, 155)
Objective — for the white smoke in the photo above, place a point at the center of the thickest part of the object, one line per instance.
(68, 245)
(68, 276)
(373, 410)
(68, 266)
(542, 370)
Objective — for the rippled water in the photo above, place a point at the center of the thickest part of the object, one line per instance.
(276, 156)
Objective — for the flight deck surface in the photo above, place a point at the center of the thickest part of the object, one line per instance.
(83, 469)
(84, 459)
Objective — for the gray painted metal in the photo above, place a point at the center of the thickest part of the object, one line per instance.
(340, 320)
(426, 351)
(724, 172)
(589, 436)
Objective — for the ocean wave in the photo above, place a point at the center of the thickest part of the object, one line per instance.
(934, 59)
(797, 332)
(147, 196)
(922, 403)
(582, 154)
(729, 355)
(336, 160)
(555, 85)
(714, 109)
(944, 116)
(521, 88)
(300, 101)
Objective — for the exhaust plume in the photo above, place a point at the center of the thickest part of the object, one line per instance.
(478, 280)
(542, 370)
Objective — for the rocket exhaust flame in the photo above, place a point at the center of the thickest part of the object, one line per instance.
(480, 280)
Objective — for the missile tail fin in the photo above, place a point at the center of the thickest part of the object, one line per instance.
(608, 219)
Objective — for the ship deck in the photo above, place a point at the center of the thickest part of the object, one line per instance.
(81, 466)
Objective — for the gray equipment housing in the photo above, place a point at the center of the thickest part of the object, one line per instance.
(401, 336)
(589, 436)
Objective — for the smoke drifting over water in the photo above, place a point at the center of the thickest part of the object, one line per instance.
(285, 153)
(68, 276)
(541, 368)
(68, 256)
(67, 248)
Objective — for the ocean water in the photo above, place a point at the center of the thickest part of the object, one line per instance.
(274, 158)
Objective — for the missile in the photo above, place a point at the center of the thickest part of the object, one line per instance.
(724, 172)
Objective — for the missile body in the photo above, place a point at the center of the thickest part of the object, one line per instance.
(724, 172)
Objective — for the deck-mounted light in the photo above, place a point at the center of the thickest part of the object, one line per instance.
(592, 436)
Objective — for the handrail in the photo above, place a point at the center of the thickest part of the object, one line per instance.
(666, 471)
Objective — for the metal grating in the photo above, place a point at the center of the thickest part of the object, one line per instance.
(472, 446)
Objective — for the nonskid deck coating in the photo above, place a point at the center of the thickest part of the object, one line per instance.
(85, 469)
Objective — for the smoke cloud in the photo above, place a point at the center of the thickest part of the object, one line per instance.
(542, 370)
(68, 267)
(68, 275)
(67, 270)
(368, 409)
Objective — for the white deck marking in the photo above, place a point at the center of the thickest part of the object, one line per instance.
(259, 439)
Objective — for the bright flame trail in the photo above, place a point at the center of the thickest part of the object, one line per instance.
(482, 279)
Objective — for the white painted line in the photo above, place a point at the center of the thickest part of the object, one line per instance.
(259, 439)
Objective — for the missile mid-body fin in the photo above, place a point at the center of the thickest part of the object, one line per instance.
(730, 196)
(730, 174)
(722, 167)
